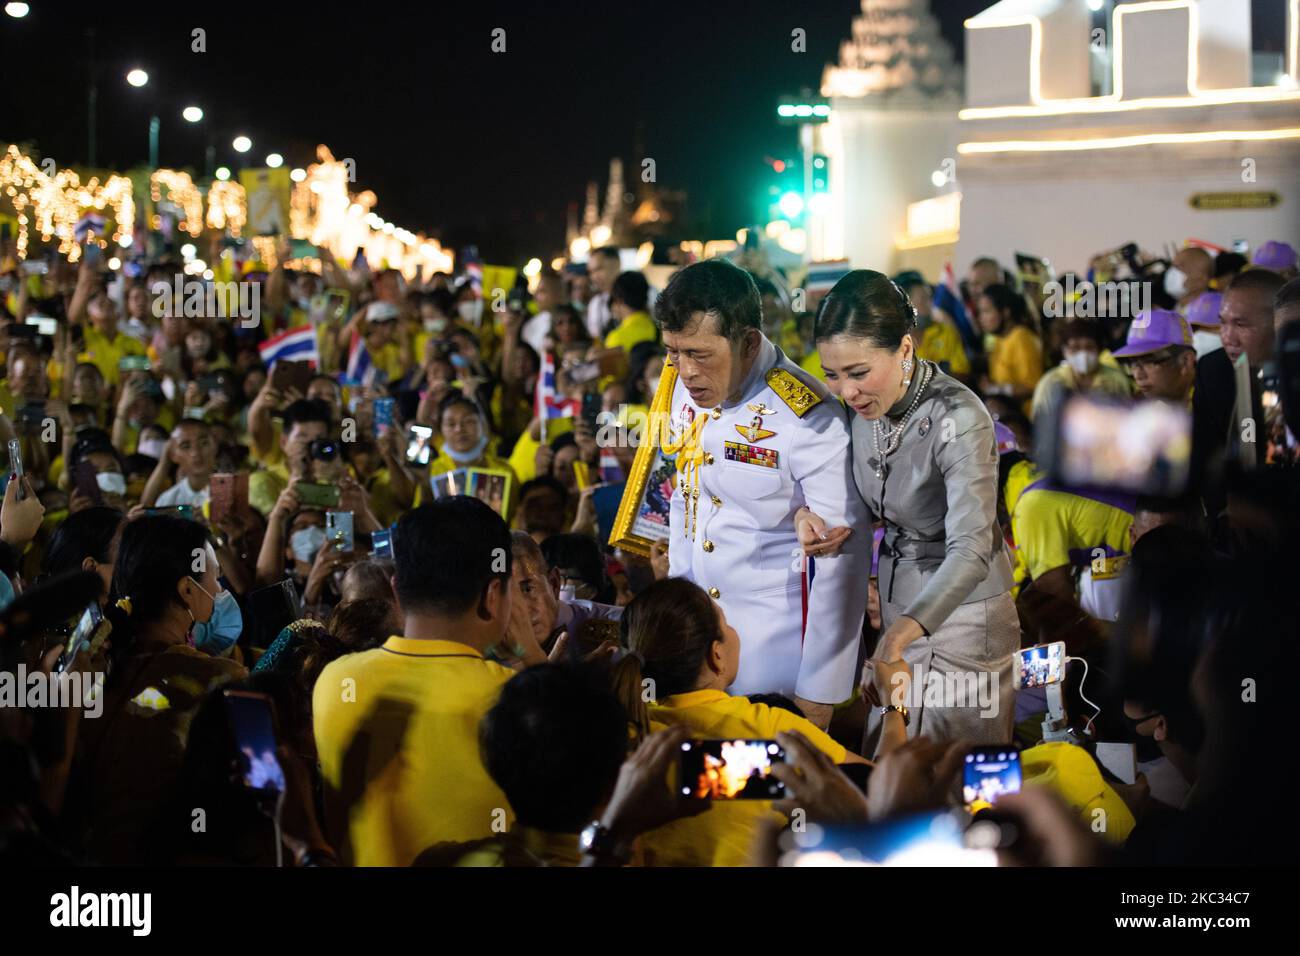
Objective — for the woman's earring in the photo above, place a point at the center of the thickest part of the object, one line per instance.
(907, 366)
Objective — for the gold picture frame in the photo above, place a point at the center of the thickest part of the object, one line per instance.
(639, 523)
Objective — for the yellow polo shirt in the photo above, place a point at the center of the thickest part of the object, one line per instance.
(635, 328)
(397, 736)
(105, 353)
(941, 342)
(1017, 359)
(723, 835)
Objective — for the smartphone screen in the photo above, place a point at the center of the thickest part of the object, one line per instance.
(81, 637)
(338, 529)
(923, 839)
(16, 464)
(1142, 448)
(383, 415)
(988, 773)
(252, 721)
(1042, 665)
(381, 543)
(730, 770)
(419, 441)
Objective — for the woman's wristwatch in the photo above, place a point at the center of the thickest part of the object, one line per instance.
(599, 842)
(897, 708)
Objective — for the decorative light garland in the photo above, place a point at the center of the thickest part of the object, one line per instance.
(57, 202)
(227, 206)
(181, 191)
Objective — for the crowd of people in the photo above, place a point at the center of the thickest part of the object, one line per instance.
(397, 552)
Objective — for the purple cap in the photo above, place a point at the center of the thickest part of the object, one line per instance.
(1154, 330)
(1278, 256)
(1006, 438)
(1205, 310)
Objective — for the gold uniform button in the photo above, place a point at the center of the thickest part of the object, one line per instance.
(717, 412)
(716, 500)
(708, 547)
(714, 593)
(708, 458)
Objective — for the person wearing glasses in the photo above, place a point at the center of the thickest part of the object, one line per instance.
(1160, 356)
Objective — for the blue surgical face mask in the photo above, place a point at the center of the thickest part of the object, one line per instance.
(306, 542)
(221, 630)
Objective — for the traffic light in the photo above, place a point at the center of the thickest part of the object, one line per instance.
(820, 174)
(785, 189)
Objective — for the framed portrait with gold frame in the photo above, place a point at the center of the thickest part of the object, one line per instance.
(643, 513)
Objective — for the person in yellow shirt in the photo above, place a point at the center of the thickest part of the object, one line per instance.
(684, 653)
(377, 326)
(628, 300)
(396, 727)
(465, 445)
(1081, 371)
(1015, 352)
(940, 341)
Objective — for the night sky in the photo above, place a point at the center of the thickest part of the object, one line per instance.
(458, 141)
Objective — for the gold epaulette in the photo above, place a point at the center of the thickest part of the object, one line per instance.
(793, 392)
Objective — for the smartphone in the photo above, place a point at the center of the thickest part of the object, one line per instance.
(988, 773)
(44, 324)
(592, 405)
(85, 483)
(381, 543)
(419, 443)
(228, 495)
(934, 838)
(210, 383)
(317, 494)
(383, 414)
(1141, 448)
(91, 251)
(133, 363)
(90, 633)
(16, 464)
(34, 267)
(175, 511)
(252, 722)
(290, 374)
(338, 529)
(272, 609)
(729, 770)
(1041, 665)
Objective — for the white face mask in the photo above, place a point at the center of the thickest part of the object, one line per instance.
(1175, 282)
(470, 311)
(435, 325)
(153, 447)
(1083, 363)
(111, 483)
(306, 543)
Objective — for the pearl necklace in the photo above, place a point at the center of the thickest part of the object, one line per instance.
(896, 434)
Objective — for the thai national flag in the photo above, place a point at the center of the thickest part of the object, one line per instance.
(89, 224)
(947, 296)
(361, 370)
(549, 404)
(611, 472)
(297, 345)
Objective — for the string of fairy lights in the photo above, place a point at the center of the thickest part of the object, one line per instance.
(322, 210)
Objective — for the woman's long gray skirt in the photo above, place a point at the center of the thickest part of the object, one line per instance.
(963, 678)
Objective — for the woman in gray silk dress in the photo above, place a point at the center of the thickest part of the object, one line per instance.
(925, 461)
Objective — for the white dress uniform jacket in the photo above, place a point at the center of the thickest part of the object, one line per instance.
(764, 456)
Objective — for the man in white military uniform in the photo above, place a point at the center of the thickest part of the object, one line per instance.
(756, 437)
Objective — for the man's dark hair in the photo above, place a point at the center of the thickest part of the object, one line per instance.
(307, 410)
(1287, 296)
(609, 252)
(447, 552)
(1257, 280)
(581, 553)
(554, 742)
(543, 481)
(632, 290)
(715, 287)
